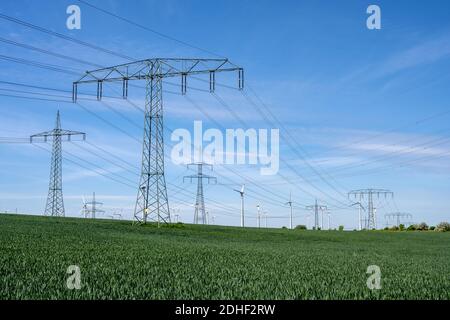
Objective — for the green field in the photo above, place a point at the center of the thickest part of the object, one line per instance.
(121, 261)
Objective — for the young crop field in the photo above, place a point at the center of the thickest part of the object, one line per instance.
(120, 261)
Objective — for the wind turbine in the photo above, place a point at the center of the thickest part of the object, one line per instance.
(241, 192)
(84, 210)
(265, 218)
(329, 220)
(359, 213)
(259, 215)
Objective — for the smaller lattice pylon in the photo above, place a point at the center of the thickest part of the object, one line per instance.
(200, 213)
(55, 202)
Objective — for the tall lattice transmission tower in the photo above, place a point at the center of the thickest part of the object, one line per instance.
(200, 213)
(371, 220)
(398, 216)
(152, 201)
(316, 208)
(55, 202)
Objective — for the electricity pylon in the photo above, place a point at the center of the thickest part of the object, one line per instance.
(94, 207)
(370, 222)
(290, 205)
(152, 202)
(55, 202)
(241, 192)
(398, 216)
(176, 210)
(316, 207)
(200, 213)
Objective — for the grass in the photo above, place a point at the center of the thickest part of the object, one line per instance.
(121, 261)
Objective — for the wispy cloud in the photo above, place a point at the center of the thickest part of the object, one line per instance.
(400, 149)
(423, 53)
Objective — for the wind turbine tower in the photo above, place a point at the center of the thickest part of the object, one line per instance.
(241, 192)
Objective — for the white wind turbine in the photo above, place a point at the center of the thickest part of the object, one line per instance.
(241, 192)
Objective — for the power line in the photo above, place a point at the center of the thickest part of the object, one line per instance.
(110, 107)
(284, 162)
(62, 56)
(36, 64)
(62, 36)
(297, 148)
(160, 34)
(107, 122)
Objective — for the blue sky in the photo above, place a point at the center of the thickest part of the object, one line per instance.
(368, 107)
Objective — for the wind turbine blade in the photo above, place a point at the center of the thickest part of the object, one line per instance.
(242, 189)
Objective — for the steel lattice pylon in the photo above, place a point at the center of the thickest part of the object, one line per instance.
(398, 216)
(316, 207)
(371, 220)
(200, 204)
(55, 202)
(152, 199)
(152, 202)
(200, 212)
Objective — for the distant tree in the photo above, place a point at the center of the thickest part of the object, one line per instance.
(300, 227)
(341, 228)
(432, 228)
(412, 227)
(386, 228)
(394, 228)
(401, 227)
(422, 226)
(443, 226)
(283, 227)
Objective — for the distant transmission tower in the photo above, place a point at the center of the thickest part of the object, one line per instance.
(398, 216)
(316, 207)
(55, 201)
(92, 207)
(200, 213)
(152, 202)
(290, 205)
(370, 222)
